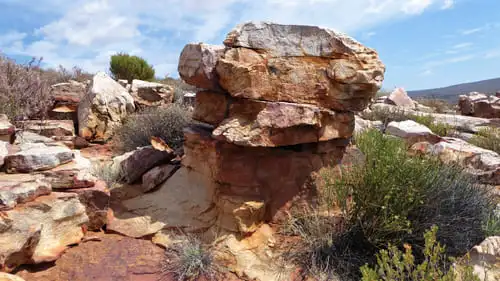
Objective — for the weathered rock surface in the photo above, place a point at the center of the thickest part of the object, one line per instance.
(197, 65)
(68, 93)
(23, 137)
(107, 257)
(484, 259)
(9, 277)
(183, 202)
(339, 84)
(20, 191)
(74, 174)
(7, 130)
(103, 108)
(49, 128)
(479, 105)
(399, 97)
(37, 157)
(270, 124)
(39, 231)
(157, 176)
(96, 200)
(412, 132)
(136, 163)
(253, 172)
(150, 93)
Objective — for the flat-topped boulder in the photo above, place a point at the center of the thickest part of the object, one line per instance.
(103, 108)
(37, 157)
(412, 132)
(479, 105)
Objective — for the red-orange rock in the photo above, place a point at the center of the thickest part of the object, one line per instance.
(197, 65)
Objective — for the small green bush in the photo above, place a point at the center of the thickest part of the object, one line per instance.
(166, 123)
(394, 265)
(124, 66)
(487, 138)
(438, 128)
(190, 260)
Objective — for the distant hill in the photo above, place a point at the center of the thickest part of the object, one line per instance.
(451, 93)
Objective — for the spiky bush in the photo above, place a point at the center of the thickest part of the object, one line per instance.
(190, 260)
(125, 66)
(166, 123)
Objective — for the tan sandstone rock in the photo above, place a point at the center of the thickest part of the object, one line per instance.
(18, 191)
(48, 128)
(276, 62)
(9, 277)
(150, 93)
(197, 65)
(103, 108)
(39, 231)
(7, 130)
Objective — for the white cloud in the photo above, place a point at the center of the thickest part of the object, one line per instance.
(86, 32)
(426, 72)
(463, 45)
(448, 4)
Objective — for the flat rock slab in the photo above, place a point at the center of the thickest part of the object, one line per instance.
(18, 191)
(37, 157)
(39, 231)
(108, 257)
(49, 128)
(412, 131)
(23, 137)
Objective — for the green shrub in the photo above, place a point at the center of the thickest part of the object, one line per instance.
(395, 199)
(487, 138)
(190, 260)
(124, 66)
(23, 92)
(392, 264)
(166, 123)
(438, 128)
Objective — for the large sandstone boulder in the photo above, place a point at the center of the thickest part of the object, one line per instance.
(7, 130)
(151, 93)
(40, 230)
(275, 62)
(197, 65)
(37, 157)
(103, 109)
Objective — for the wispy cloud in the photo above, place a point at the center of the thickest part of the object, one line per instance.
(427, 72)
(463, 45)
(456, 59)
(448, 4)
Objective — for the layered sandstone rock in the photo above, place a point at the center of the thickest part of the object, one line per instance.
(7, 130)
(278, 104)
(150, 93)
(66, 97)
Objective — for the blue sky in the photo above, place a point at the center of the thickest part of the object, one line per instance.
(424, 43)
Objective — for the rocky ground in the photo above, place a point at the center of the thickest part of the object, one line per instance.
(277, 104)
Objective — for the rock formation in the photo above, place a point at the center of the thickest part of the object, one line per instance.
(479, 105)
(103, 108)
(279, 104)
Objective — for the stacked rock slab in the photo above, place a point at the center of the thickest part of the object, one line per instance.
(279, 103)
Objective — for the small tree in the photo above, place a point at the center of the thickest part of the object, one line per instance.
(124, 66)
